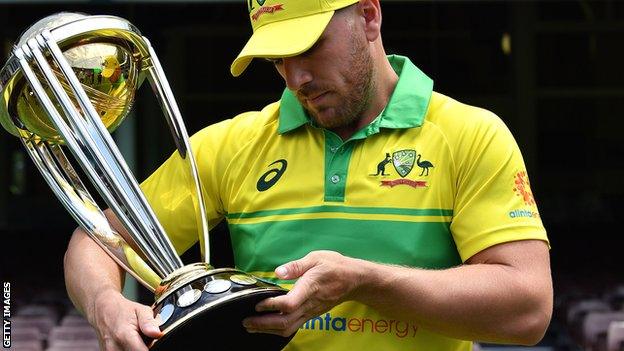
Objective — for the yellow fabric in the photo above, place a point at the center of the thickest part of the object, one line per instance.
(477, 173)
(167, 189)
(141, 268)
(283, 28)
(488, 206)
(353, 326)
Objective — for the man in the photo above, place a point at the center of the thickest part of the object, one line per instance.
(401, 259)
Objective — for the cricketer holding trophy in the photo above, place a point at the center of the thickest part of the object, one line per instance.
(383, 206)
(70, 80)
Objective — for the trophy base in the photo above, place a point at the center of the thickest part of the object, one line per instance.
(213, 308)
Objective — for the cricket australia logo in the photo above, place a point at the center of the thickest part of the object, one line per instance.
(403, 161)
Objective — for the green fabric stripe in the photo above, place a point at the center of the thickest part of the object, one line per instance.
(418, 212)
(264, 246)
(336, 165)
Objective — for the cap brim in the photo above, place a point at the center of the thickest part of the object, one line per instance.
(282, 39)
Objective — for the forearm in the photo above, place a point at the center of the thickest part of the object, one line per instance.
(486, 302)
(502, 294)
(89, 271)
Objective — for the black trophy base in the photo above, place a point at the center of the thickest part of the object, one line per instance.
(212, 308)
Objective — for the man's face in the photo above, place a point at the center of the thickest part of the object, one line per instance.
(333, 79)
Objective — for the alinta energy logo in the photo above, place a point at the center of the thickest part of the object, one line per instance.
(339, 324)
(522, 188)
(403, 162)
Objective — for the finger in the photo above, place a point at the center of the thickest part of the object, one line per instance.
(267, 305)
(295, 269)
(294, 300)
(272, 321)
(281, 329)
(148, 325)
(281, 320)
(134, 342)
(285, 303)
(304, 290)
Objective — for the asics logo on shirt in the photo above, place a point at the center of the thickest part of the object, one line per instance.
(268, 179)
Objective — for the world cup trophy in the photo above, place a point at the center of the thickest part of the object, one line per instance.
(70, 81)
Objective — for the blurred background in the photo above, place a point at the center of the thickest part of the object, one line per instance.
(552, 70)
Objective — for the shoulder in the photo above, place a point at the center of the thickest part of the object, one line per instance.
(464, 124)
(241, 129)
(472, 134)
(451, 114)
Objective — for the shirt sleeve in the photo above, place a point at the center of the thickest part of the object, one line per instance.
(171, 193)
(494, 202)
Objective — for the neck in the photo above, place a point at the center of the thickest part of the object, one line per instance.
(384, 81)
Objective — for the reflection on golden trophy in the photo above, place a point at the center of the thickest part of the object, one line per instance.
(70, 81)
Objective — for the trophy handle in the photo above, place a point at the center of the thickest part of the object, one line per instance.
(55, 109)
(70, 190)
(94, 149)
(162, 89)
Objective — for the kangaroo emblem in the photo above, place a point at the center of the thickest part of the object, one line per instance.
(381, 166)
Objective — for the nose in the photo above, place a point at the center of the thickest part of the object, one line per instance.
(296, 72)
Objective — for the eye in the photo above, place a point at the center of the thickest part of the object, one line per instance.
(275, 61)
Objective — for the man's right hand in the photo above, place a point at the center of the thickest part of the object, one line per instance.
(121, 323)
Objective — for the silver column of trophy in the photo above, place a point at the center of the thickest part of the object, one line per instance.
(69, 82)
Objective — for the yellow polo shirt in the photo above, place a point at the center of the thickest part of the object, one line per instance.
(429, 183)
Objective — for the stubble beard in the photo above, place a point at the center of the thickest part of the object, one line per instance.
(356, 99)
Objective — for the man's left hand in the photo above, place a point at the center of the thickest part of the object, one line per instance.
(324, 280)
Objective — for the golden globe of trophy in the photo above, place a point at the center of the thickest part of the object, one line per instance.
(70, 81)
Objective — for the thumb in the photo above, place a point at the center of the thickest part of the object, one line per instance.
(295, 269)
(147, 323)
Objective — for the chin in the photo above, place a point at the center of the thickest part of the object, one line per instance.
(326, 118)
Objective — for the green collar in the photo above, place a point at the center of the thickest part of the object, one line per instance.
(406, 109)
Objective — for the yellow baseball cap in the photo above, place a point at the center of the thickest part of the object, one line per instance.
(283, 28)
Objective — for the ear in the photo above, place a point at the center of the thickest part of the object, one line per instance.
(370, 12)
